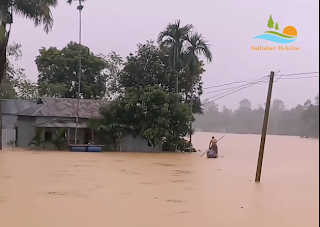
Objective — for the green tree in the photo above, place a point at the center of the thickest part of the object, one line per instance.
(52, 90)
(14, 54)
(270, 22)
(277, 26)
(25, 88)
(150, 66)
(7, 90)
(114, 64)
(172, 38)
(61, 67)
(196, 45)
(150, 112)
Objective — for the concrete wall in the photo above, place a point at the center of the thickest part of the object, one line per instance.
(131, 143)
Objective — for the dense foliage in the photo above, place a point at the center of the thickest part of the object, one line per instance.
(150, 112)
(160, 87)
(302, 120)
(150, 65)
(61, 67)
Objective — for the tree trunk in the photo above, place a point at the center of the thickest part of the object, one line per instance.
(3, 46)
(175, 55)
(191, 109)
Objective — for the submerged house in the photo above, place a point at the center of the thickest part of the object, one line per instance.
(51, 114)
(9, 108)
(55, 113)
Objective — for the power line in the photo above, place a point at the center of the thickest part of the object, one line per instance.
(247, 81)
(226, 89)
(262, 80)
(285, 77)
(298, 78)
(236, 82)
(232, 90)
(236, 88)
(300, 74)
(278, 79)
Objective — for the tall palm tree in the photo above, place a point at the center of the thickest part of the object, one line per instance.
(39, 11)
(196, 45)
(172, 38)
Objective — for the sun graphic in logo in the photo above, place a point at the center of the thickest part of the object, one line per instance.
(289, 34)
(291, 31)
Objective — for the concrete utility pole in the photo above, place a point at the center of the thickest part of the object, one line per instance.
(264, 129)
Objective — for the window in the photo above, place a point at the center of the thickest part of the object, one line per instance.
(48, 136)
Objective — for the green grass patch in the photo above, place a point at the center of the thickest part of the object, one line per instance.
(281, 35)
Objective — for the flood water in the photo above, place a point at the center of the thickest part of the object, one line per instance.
(62, 189)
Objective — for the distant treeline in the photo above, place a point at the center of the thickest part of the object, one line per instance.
(302, 120)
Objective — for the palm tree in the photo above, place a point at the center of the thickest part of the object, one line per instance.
(196, 45)
(172, 38)
(39, 11)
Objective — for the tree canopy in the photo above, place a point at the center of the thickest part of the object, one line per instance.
(150, 65)
(150, 112)
(61, 68)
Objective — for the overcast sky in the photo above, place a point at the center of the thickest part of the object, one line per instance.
(228, 25)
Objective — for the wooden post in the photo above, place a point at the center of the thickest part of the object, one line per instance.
(68, 135)
(264, 129)
(92, 136)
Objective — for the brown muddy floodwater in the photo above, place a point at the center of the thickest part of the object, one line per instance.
(62, 189)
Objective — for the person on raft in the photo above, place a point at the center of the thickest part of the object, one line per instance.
(213, 144)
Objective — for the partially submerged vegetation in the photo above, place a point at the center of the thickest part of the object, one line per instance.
(58, 139)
